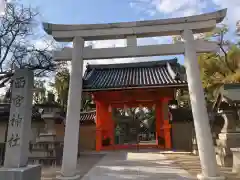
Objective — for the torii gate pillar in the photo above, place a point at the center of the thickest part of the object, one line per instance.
(200, 115)
(70, 149)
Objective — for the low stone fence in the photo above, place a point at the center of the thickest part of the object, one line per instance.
(236, 160)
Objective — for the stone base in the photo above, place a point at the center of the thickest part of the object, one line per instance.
(224, 160)
(236, 160)
(224, 143)
(195, 152)
(76, 177)
(30, 172)
(202, 177)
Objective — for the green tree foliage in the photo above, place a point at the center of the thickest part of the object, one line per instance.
(220, 67)
(61, 86)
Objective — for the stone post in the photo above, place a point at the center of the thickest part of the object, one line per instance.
(19, 130)
(199, 110)
(70, 149)
(131, 41)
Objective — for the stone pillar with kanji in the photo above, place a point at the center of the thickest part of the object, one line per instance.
(19, 129)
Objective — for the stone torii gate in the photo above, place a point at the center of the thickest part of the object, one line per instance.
(185, 26)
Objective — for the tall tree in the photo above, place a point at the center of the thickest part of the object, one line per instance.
(218, 68)
(17, 49)
(61, 86)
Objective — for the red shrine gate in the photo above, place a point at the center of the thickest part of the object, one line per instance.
(131, 98)
(146, 84)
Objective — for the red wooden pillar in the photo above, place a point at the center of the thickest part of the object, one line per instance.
(104, 125)
(159, 121)
(98, 127)
(109, 123)
(166, 124)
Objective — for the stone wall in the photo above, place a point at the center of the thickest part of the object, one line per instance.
(182, 134)
(87, 138)
(87, 134)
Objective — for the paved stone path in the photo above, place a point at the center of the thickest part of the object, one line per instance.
(136, 165)
(191, 163)
(85, 163)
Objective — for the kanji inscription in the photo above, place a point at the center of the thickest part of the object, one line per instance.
(20, 82)
(18, 100)
(16, 121)
(14, 140)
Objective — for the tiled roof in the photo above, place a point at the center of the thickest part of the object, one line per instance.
(227, 96)
(133, 75)
(88, 116)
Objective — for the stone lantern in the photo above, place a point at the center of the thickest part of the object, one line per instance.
(229, 137)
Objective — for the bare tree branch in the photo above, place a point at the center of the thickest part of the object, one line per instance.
(16, 47)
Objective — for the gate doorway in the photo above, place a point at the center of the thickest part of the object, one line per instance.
(135, 127)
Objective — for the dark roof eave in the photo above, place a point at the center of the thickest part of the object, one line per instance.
(182, 85)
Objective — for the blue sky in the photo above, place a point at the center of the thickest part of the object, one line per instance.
(103, 11)
(84, 11)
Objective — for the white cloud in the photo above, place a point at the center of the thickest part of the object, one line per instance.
(46, 42)
(170, 8)
(179, 8)
(2, 6)
(42, 44)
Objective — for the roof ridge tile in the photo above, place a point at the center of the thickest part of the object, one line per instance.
(132, 65)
